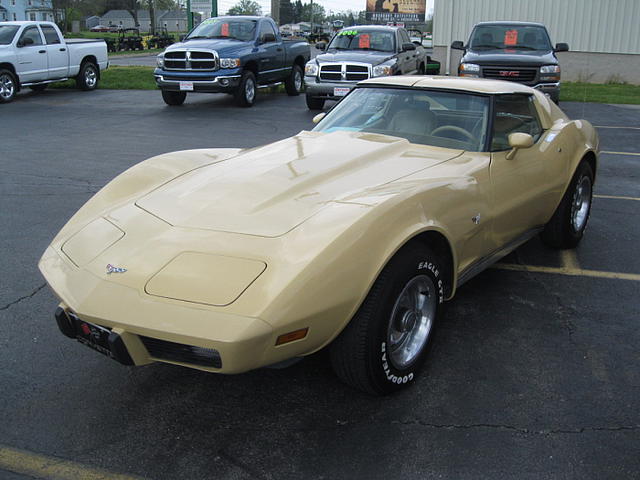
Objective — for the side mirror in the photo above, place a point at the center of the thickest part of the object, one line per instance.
(268, 38)
(24, 42)
(561, 47)
(319, 117)
(457, 45)
(321, 46)
(408, 46)
(182, 37)
(517, 141)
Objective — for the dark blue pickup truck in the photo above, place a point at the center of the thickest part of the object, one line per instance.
(231, 55)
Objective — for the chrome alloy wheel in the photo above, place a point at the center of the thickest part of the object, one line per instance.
(90, 77)
(7, 86)
(411, 321)
(249, 91)
(297, 80)
(581, 204)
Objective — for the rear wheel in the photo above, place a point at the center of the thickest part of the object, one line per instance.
(246, 94)
(87, 78)
(566, 227)
(314, 103)
(173, 98)
(8, 86)
(384, 346)
(293, 83)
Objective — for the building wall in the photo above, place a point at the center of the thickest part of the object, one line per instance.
(38, 10)
(600, 33)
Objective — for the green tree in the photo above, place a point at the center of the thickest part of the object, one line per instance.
(245, 7)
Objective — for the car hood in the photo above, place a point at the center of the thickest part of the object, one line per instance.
(219, 44)
(525, 58)
(270, 190)
(361, 56)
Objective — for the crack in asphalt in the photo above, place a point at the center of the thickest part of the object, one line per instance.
(25, 297)
(518, 429)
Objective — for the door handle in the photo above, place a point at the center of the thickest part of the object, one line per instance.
(63, 49)
(42, 51)
(278, 50)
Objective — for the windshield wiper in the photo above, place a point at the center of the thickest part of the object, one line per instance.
(195, 37)
(524, 47)
(485, 46)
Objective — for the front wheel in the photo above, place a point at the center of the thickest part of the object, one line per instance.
(88, 76)
(293, 83)
(246, 94)
(173, 98)
(314, 103)
(384, 345)
(8, 86)
(566, 227)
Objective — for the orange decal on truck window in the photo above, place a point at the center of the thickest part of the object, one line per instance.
(511, 37)
(364, 41)
(225, 30)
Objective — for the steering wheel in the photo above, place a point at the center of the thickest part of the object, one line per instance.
(455, 129)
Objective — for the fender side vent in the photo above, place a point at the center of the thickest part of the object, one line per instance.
(178, 352)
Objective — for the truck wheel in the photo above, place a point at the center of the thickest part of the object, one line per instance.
(314, 103)
(8, 86)
(246, 94)
(384, 345)
(567, 226)
(173, 98)
(293, 83)
(88, 76)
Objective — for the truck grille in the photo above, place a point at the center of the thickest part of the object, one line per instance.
(190, 60)
(522, 75)
(344, 72)
(178, 352)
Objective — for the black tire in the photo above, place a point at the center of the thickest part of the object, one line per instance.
(362, 355)
(245, 95)
(8, 86)
(314, 103)
(422, 69)
(566, 227)
(39, 88)
(173, 98)
(88, 76)
(294, 82)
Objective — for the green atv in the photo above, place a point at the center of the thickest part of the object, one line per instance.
(130, 39)
(161, 39)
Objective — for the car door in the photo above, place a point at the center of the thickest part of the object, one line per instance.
(57, 54)
(271, 55)
(32, 56)
(409, 59)
(525, 185)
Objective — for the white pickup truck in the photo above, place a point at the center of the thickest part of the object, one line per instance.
(34, 54)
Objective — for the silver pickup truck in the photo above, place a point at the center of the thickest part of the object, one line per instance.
(34, 54)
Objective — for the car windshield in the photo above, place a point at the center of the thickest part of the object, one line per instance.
(363, 39)
(225, 28)
(501, 37)
(7, 32)
(428, 117)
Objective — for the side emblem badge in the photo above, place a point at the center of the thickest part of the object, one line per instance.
(111, 269)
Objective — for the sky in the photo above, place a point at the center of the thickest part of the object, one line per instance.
(335, 5)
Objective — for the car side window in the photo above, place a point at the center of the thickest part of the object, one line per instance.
(33, 33)
(513, 113)
(266, 28)
(404, 37)
(50, 34)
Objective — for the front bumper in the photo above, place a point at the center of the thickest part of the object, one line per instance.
(207, 82)
(318, 89)
(551, 89)
(148, 326)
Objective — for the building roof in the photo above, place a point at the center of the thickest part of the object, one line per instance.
(475, 85)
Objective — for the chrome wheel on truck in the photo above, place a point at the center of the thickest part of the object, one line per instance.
(7, 86)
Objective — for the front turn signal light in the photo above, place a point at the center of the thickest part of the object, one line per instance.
(292, 336)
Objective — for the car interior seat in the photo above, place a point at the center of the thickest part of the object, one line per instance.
(415, 119)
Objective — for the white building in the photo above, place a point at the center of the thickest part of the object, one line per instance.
(603, 35)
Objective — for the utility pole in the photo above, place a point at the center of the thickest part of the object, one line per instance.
(214, 8)
(311, 17)
(189, 16)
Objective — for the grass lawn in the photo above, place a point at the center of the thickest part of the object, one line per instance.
(599, 93)
(121, 78)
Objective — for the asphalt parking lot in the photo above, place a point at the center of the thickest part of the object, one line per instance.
(535, 371)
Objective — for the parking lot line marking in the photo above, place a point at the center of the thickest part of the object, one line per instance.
(616, 197)
(52, 468)
(621, 153)
(567, 271)
(569, 260)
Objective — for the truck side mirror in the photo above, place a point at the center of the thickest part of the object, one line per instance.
(561, 47)
(321, 46)
(26, 41)
(268, 38)
(457, 45)
(408, 46)
(517, 141)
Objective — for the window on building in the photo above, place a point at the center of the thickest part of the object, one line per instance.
(15, 18)
(13, 2)
(32, 17)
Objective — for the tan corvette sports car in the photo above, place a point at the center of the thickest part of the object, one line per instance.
(350, 236)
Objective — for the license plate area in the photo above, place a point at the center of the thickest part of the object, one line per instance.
(186, 86)
(92, 335)
(340, 91)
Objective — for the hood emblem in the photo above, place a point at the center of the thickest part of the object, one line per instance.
(111, 269)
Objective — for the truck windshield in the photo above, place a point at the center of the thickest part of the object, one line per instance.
(501, 37)
(428, 117)
(224, 28)
(363, 39)
(7, 32)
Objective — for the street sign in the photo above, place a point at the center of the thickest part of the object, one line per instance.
(201, 6)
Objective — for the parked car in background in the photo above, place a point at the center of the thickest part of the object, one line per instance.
(358, 53)
(100, 28)
(514, 51)
(34, 54)
(351, 236)
(231, 55)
